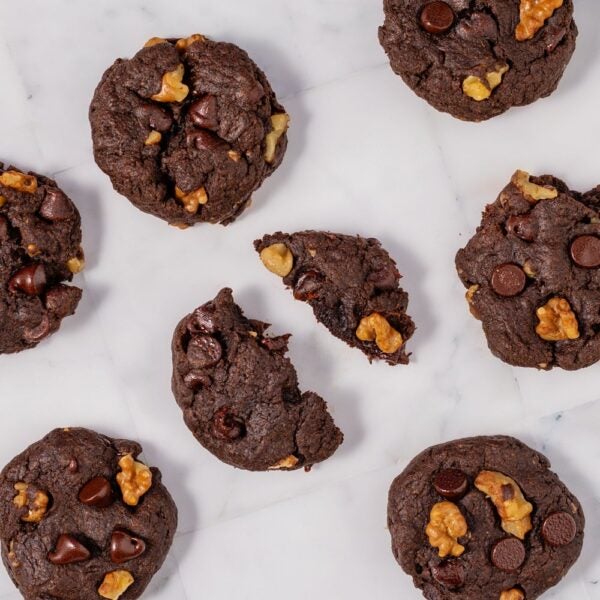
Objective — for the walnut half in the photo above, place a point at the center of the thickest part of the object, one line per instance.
(534, 14)
(446, 525)
(557, 321)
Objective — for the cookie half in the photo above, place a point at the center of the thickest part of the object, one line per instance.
(483, 518)
(476, 59)
(533, 274)
(352, 285)
(239, 392)
(81, 517)
(188, 129)
(40, 249)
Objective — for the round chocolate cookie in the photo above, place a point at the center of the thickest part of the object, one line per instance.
(188, 129)
(40, 248)
(81, 518)
(483, 518)
(533, 274)
(476, 59)
(239, 392)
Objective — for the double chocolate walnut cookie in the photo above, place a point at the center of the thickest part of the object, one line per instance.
(40, 248)
(82, 519)
(352, 285)
(483, 518)
(188, 129)
(533, 274)
(239, 392)
(476, 59)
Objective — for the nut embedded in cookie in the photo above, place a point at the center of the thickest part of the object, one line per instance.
(478, 89)
(376, 328)
(534, 13)
(446, 525)
(115, 584)
(135, 479)
(173, 89)
(557, 321)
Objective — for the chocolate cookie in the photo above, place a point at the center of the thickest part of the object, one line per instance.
(239, 392)
(40, 248)
(476, 59)
(187, 129)
(533, 274)
(351, 284)
(483, 518)
(81, 518)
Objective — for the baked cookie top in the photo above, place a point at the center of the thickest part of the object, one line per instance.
(483, 518)
(188, 129)
(40, 248)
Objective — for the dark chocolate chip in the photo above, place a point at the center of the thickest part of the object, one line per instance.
(524, 227)
(204, 351)
(202, 319)
(203, 112)
(124, 547)
(450, 574)
(56, 206)
(68, 550)
(196, 381)
(508, 554)
(307, 286)
(206, 140)
(585, 251)
(73, 466)
(437, 17)
(559, 529)
(97, 492)
(451, 483)
(31, 280)
(227, 426)
(154, 117)
(39, 332)
(508, 280)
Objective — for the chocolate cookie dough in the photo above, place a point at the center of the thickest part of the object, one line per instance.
(239, 392)
(351, 283)
(476, 59)
(533, 274)
(483, 518)
(188, 129)
(40, 248)
(81, 518)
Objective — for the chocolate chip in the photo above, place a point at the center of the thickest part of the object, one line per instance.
(56, 206)
(585, 251)
(437, 17)
(451, 483)
(204, 351)
(227, 426)
(202, 319)
(524, 227)
(154, 117)
(450, 574)
(508, 554)
(196, 381)
(31, 280)
(559, 529)
(68, 550)
(276, 344)
(508, 280)
(307, 286)
(508, 491)
(73, 466)
(97, 492)
(39, 332)
(206, 140)
(203, 112)
(124, 547)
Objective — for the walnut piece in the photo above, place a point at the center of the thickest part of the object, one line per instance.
(12, 555)
(234, 155)
(446, 525)
(33, 250)
(557, 321)
(115, 584)
(289, 462)
(532, 191)
(173, 89)
(513, 594)
(192, 201)
(513, 509)
(154, 41)
(534, 14)
(376, 328)
(470, 296)
(36, 505)
(185, 43)
(478, 89)
(76, 265)
(19, 181)
(279, 125)
(135, 479)
(278, 258)
(154, 137)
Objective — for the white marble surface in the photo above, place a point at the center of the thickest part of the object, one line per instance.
(365, 156)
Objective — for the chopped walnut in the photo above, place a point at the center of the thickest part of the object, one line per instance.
(376, 328)
(33, 250)
(470, 296)
(115, 584)
(446, 525)
(234, 155)
(135, 479)
(557, 321)
(185, 43)
(529, 269)
(532, 191)
(513, 594)
(12, 555)
(154, 41)
(36, 503)
(513, 508)
(289, 462)
(173, 89)
(279, 125)
(278, 259)
(19, 181)
(478, 89)
(534, 14)
(192, 201)
(154, 138)
(76, 265)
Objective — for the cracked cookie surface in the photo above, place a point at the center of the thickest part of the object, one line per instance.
(469, 58)
(488, 480)
(40, 249)
(188, 129)
(239, 392)
(66, 529)
(352, 285)
(533, 274)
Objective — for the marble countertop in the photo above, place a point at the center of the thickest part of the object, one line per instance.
(365, 156)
